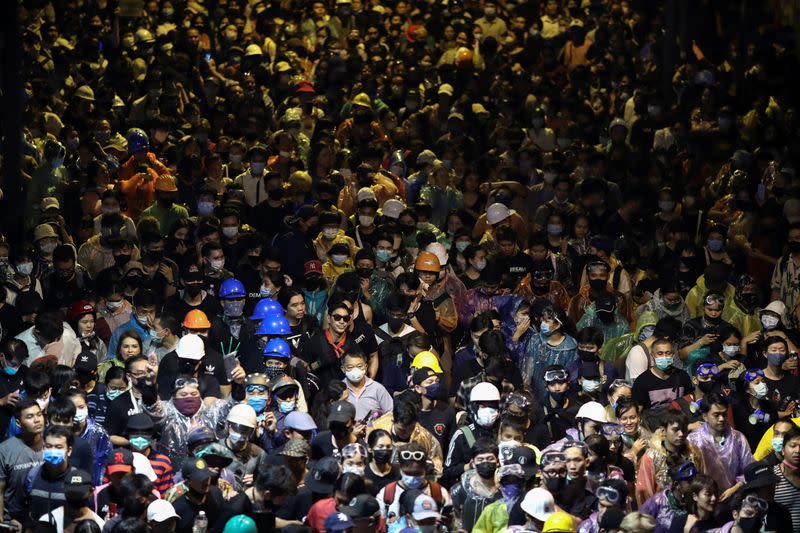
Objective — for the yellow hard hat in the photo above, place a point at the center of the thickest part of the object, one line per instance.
(427, 359)
(559, 522)
(363, 100)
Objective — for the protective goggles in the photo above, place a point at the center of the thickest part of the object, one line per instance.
(754, 502)
(550, 458)
(591, 265)
(752, 374)
(576, 444)
(707, 369)
(185, 382)
(543, 275)
(351, 450)
(250, 389)
(612, 429)
(618, 383)
(560, 375)
(714, 299)
(609, 493)
(686, 472)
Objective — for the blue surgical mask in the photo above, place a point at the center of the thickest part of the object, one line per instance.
(10, 370)
(462, 245)
(412, 482)
(54, 457)
(140, 443)
(544, 329)
(113, 394)
(777, 444)
(432, 391)
(286, 407)
(383, 255)
(258, 403)
(663, 363)
(715, 245)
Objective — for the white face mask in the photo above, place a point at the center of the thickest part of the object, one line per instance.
(24, 269)
(590, 385)
(217, 264)
(330, 233)
(760, 390)
(338, 259)
(365, 220)
(730, 351)
(230, 231)
(486, 416)
(235, 159)
(358, 470)
(354, 375)
(769, 322)
(480, 265)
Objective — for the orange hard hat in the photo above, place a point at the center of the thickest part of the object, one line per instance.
(463, 58)
(427, 262)
(196, 319)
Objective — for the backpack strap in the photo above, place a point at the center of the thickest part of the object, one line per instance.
(617, 276)
(441, 298)
(382, 334)
(469, 435)
(388, 493)
(436, 493)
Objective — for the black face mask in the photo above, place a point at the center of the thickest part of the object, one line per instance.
(122, 259)
(156, 256)
(794, 247)
(712, 320)
(749, 299)
(365, 273)
(193, 289)
(86, 377)
(133, 281)
(587, 356)
(705, 386)
(598, 285)
(541, 289)
(486, 470)
(275, 194)
(750, 525)
(555, 484)
(196, 494)
(382, 457)
(606, 317)
(75, 500)
(339, 431)
(395, 324)
(187, 366)
(407, 229)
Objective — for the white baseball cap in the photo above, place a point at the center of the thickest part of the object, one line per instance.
(392, 208)
(160, 510)
(425, 507)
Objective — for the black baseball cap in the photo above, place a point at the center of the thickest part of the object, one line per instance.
(86, 362)
(342, 411)
(421, 374)
(78, 481)
(526, 458)
(196, 469)
(140, 422)
(323, 475)
(362, 506)
(758, 475)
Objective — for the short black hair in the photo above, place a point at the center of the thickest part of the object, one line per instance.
(60, 408)
(58, 431)
(49, 325)
(278, 480)
(484, 445)
(713, 398)
(405, 413)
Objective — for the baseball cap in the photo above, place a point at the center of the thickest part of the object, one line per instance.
(426, 157)
(524, 457)
(119, 460)
(78, 481)
(200, 435)
(313, 266)
(446, 88)
(342, 411)
(299, 421)
(44, 231)
(758, 475)
(538, 503)
(425, 507)
(140, 422)
(86, 361)
(323, 475)
(160, 510)
(305, 87)
(421, 374)
(512, 470)
(296, 448)
(338, 522)
(166, 183)
(606, 302)
(362, 506)
(196, 469)
(365, 193)
(50, 202)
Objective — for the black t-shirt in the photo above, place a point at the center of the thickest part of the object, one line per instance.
(9, 384)
(778, 391)
(296, 506)
(440, 421)
(650, 390)
(217, 509)
(119, 410)
(378, 482)
(322, 446)
(177, 306)
(268, 219)
(321, 357)
(211, 365)
(514, 267)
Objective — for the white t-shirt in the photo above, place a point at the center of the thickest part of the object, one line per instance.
(636, 363)
(58, 516)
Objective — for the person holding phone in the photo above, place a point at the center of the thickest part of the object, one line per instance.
(701, 332)
(13, 373)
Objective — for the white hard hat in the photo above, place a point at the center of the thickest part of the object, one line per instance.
(392, 208)
(143, 35)
(438, 249)
(191, 347)
(497, 212)
(484, 392)
(242, 414)
(538, 503)
(593, 411)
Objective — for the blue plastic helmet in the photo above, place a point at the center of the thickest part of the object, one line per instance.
(232, 288)
(137, 140)
(274, 324)
(278, 348)
(266, 307)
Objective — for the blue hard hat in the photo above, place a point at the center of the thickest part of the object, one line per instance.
(266, 307)
(232, 288)
(274, 325)
(137, 140)
(277, 348)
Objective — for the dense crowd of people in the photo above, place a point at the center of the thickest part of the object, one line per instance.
(453, 265)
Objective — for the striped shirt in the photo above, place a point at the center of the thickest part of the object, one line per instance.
(164, 472)
(787, 494)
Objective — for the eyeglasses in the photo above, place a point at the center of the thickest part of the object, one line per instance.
(714, 299)
(759, 504)
(609, 493)
(340, 318)
(612, 429)
(250, 389)
(686, 472)
(753, 374)
(559, 375)
(408, 455)
(707, 369)
(185, 382)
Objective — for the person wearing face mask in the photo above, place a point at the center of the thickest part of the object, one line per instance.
(554, 345)
(254, 180)
(412, 459)
(67, 282)
(488, 295)
(370, 398)
(337, 262)
(189, 359)
(662, 383)
(713, 281)
(230, 326)
(673, 501)
(512, 482)
(597, 275)
(22, 279)
(477, 487)
(773, 320)
(781, 384)
(78, 489)
(113, 310)
(667, 301)
(88, 432)
(273, 208)
(81, 317)
(341, 431)
(701, 332)
(13, 373)
(213, 258)
(46, 482)
(484, 413)
(753, 412)
(144, 304)
(140, 395)
(749, 511)
(165, 209)
(602, 314)
(241, 428)
(436, 415)
(194, 296)
(742, 311)
(140, 434)
(475, 257)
